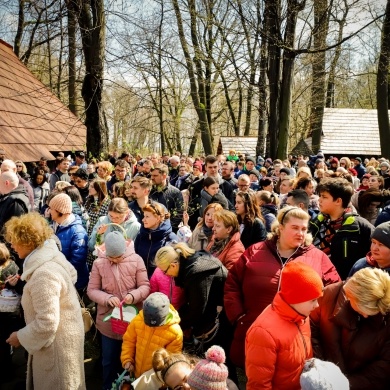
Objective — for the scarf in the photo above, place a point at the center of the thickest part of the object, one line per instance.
(208, 232)
(218, 246)
(331, 228)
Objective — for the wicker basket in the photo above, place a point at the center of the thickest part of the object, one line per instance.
(9, 304)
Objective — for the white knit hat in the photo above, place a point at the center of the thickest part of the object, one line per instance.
(320, 375)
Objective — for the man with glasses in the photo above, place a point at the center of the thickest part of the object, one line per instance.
(121, 174)
(166, 194)
(61, 172)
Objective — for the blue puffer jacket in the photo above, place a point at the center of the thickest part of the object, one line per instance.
(74, 242)
(148, 242)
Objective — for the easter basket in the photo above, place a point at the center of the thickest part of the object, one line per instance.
(9, 301)
(121, 317)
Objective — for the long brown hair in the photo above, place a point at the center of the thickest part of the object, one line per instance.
(252, 209)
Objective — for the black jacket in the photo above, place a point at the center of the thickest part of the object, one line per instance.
(350, 242)
(172, 199)
(202, 277)
(252, 234)
(14, 204)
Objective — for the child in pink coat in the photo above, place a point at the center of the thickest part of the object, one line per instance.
(118, 274)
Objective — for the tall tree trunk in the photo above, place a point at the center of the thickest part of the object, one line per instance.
(92, 22)
(272, 34)
(293, 8)
(330, 89)
(382, 86)
(72, 23)
(197, 82)
(262, 85)
(321, 24)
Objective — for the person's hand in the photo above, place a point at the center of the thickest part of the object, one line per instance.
(102, 229)
(186, 218)
(13, 340)
(114, 302)
(129, 367)
(129, 299)
(13, 279)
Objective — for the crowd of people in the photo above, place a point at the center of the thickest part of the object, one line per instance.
(275, 269)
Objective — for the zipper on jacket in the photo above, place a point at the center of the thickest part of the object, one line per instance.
(150, 247)
(304, 341)
(283, 264)
(345, 248)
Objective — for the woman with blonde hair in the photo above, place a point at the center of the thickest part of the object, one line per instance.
(21, 170)
(54, 331)
(104, 170)
(351, 328)
(225, 243)
(346, 163)
(269, 204)
(254, 279)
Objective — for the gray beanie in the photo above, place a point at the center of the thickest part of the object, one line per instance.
(115, 244)
(382, 233)
(320, 375)
(156, 309)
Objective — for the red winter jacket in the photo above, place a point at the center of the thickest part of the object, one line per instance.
(277, 346)
(232, 251)
(253, 281)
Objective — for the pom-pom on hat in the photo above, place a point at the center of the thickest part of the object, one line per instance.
(210, 373)
(299, 283)
(61, 203)
(320, 375)
(115, 244)
(156, 309)
(382, 234)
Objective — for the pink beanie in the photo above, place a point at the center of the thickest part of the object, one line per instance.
(210, 373)
(61, 203)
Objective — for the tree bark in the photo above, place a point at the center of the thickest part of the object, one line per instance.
(321, 26)
(72, 24)
(194, 69)
(92, 22)
(293, 8)
(382, 86)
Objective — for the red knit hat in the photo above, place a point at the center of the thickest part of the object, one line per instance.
(300, 283)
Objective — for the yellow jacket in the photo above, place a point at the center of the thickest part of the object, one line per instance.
(140, 341)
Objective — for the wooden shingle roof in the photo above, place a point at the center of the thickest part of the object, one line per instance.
(33, 121)
(350, 132)
(242, 145)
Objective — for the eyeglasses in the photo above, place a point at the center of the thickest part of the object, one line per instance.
(120, 170)
(165, 272)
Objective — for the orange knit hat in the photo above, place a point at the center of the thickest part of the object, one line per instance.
(300, 283)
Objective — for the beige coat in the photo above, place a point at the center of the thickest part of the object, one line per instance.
(54, 331)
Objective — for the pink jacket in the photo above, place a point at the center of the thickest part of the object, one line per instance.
(118, 279)
(160, 282)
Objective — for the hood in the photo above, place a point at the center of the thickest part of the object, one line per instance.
(132, 218)
(269, 208)
(47, 252)
(200, 262)
(286, 311)
(20, 190)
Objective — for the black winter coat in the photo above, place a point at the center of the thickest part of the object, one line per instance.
(202, 277)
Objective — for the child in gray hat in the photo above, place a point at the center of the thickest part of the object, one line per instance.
(156, 326)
